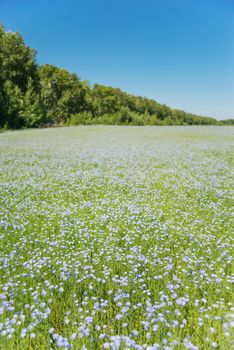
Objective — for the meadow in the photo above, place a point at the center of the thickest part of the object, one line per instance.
(115, 237)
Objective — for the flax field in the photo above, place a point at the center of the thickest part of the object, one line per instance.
(115, 237)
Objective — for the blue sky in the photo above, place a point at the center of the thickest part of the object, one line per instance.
(179, 52)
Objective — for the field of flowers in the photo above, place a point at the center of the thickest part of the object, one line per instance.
(116, 238)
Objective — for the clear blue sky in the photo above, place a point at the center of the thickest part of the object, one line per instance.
(179, 52)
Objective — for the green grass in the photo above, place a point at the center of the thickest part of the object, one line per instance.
(117, 238)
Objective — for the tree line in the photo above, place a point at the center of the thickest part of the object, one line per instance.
(33, 95)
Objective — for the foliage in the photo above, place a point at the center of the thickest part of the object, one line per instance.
(85, 118)
(228, 122)
(12, 102)
(62, 93)
(32, 96)
(31, 111)
(17, 60)
(18, 72)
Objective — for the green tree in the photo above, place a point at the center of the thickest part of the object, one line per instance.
(31, 108)
(106, 100)
(17, 60)
(13, 99)
(31, 96)
(17, 68)
(63, 94)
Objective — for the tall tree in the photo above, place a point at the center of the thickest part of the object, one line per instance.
(17, 60)
(63, 94)
(17, 67)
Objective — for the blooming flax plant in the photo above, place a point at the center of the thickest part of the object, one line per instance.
(116, 238)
